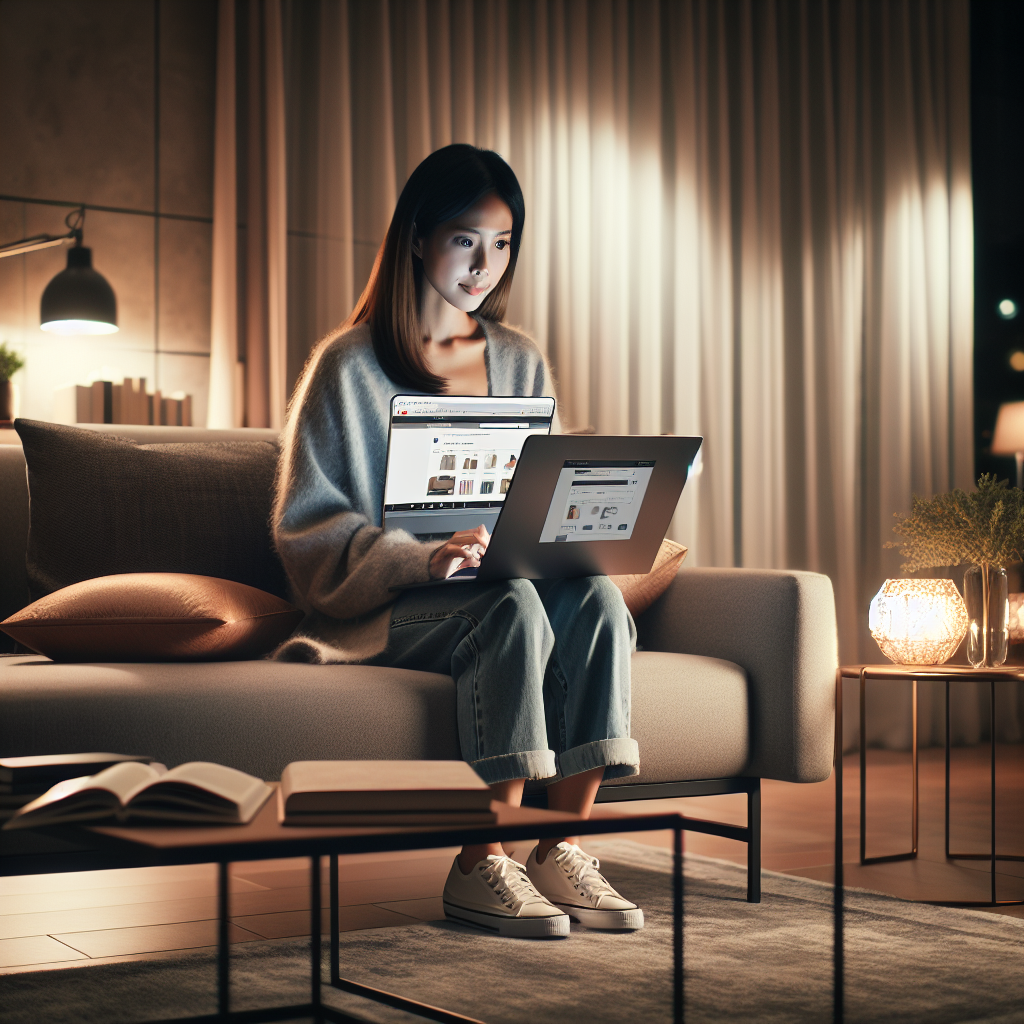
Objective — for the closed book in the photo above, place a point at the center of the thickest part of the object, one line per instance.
(374, 788)
(51, 768)
(357, 819)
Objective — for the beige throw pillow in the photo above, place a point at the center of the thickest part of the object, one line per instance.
(641, 591)
(154, 616)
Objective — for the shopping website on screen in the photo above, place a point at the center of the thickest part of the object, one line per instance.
(596, 501)
(458, 454)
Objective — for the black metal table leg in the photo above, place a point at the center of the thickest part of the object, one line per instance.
(677, 926)
(314, 934)
(754, 844)
(335, 923)
(837, 877)
(223, 947)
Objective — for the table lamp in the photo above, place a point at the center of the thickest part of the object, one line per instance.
(1008, 437)
(918, 622)
(78, 300)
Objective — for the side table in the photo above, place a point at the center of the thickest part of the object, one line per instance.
(946, 674)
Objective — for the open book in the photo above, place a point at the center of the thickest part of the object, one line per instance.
(197, 791)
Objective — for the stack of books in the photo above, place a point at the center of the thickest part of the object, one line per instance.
(128, 402)
(383, 793)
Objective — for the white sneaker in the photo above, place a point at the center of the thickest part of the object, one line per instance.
(499, 896)
(570, 879)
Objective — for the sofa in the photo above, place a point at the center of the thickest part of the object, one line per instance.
(733, 682)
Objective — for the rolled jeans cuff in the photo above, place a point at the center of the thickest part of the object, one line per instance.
(527, 764)
(620, 758)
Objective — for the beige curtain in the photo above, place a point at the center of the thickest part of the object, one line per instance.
(747, 219)
(249, 328)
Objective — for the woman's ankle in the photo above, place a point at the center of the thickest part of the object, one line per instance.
(470, 856)
(545, 846)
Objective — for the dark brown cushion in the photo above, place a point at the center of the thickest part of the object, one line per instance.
(103, 505)
(642, 590)
(154, 617)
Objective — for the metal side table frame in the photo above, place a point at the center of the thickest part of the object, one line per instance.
(945, 674)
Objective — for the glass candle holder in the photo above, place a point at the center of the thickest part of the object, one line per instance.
(986, 594)
(918, 622)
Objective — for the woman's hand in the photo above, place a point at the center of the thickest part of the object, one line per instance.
(463, 550)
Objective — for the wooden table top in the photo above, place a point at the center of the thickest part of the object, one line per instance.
(266, 837)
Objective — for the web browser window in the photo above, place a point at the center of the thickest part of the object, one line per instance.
(451, 460)
(596, 501)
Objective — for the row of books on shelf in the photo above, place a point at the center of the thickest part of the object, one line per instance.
(101, 787)
(103, 401)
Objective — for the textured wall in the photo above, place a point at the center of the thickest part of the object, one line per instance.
(81, 84)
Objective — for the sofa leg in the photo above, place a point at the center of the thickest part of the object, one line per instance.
(754, 843)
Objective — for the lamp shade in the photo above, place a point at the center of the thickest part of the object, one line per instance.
(79, 300)
(1008, 437)
(918, 622)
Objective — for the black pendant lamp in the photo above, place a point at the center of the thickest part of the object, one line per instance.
(78, 300)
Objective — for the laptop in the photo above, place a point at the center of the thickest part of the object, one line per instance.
(574, 505)
(451, 460)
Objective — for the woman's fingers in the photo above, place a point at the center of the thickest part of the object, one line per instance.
(462, 551)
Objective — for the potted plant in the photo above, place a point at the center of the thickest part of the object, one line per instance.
(984, 528)
(10, 364)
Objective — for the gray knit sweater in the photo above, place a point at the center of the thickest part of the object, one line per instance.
(330, 488)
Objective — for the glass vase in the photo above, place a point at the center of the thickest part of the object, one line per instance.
(986, 595)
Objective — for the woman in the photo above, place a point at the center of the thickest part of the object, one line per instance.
(541, 669)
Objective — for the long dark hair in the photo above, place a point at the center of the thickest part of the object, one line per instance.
(446, 183)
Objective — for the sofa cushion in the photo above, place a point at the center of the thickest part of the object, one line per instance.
(642, 590)
(103, 505)
(689, 714)
(154, 617)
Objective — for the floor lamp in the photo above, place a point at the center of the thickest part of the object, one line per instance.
(1008, 438)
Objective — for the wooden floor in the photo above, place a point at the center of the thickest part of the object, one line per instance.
(52, 921)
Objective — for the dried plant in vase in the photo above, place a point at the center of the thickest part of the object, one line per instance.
(984, 528)
(10, 364)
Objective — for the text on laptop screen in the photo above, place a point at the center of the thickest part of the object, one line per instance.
(596, 501)
(451, 460)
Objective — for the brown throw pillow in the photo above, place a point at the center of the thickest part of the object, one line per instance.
(102, 505)
(153, 616)
(640, 592)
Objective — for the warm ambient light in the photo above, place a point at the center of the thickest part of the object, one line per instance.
(1007, 309)
(1008, 436)
(1017, 361)
(78, 327)
(918, 622)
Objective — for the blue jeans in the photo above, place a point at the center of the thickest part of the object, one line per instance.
(541, 670)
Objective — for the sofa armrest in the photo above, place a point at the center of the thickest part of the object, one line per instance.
(780, 627)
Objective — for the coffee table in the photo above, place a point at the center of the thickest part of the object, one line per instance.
(70, 848)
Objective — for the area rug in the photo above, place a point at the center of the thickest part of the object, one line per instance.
(769, 962)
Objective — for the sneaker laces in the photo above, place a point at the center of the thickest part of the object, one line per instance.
(583, 872)
(510, 882)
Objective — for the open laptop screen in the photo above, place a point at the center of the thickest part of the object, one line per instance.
(451, 460)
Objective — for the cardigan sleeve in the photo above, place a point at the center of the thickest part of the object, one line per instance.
(338, 562)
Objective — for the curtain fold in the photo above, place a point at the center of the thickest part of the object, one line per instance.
(249, 329)
(746, 219)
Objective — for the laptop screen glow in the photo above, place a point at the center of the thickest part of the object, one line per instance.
(451, 460)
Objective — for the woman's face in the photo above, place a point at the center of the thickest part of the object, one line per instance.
(465, 258)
